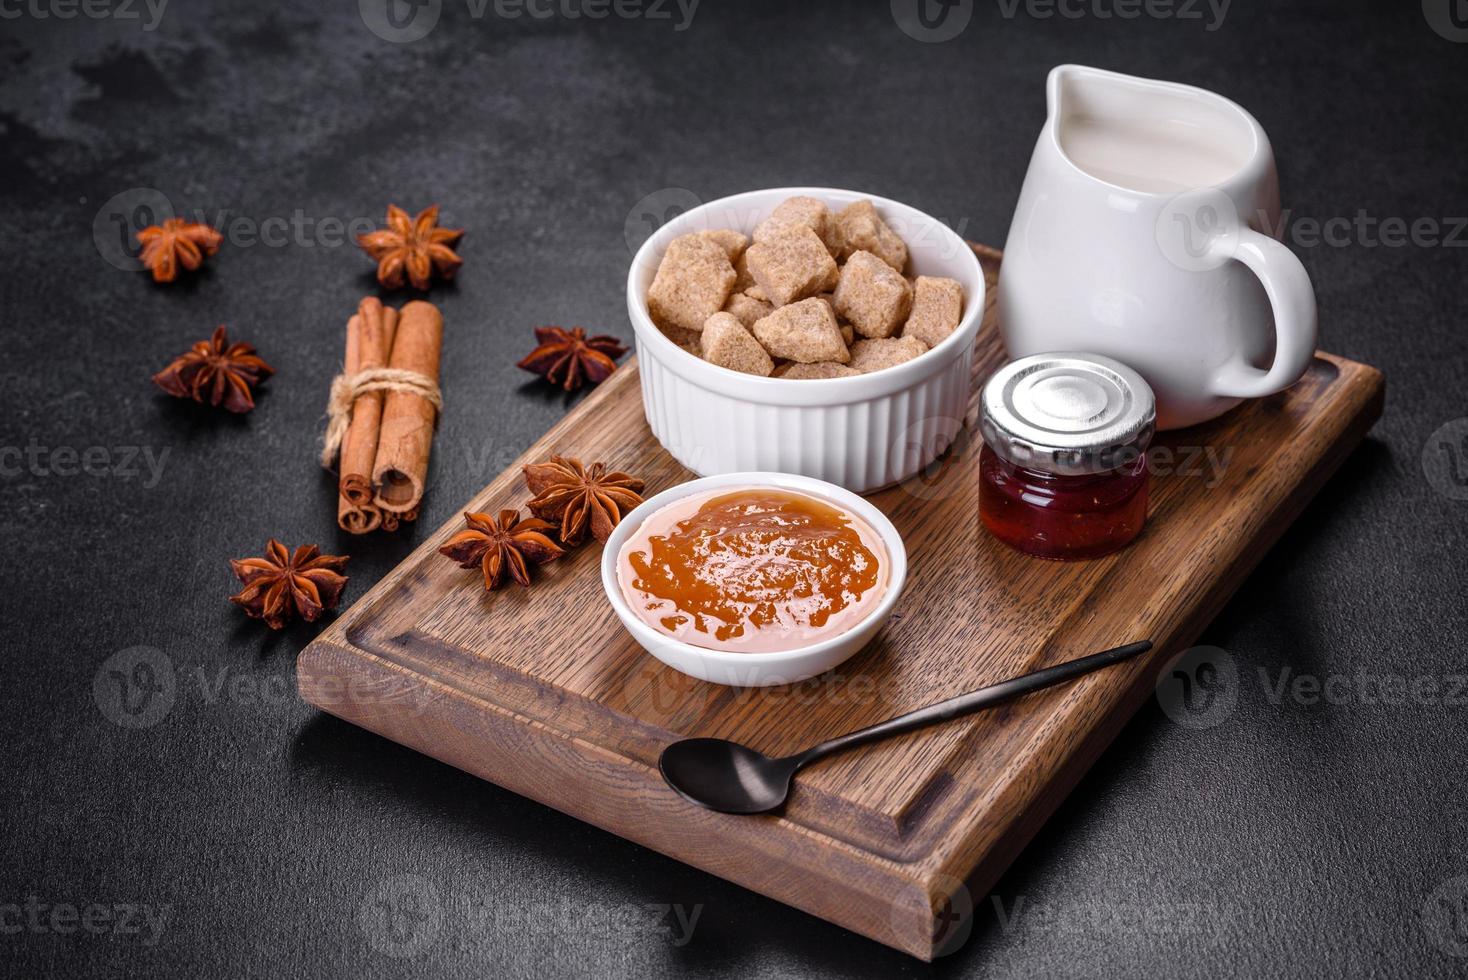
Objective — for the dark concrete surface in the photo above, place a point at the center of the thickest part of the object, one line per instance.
(226, 829)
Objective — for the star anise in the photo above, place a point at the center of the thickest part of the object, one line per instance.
(416, 246)
(500, 544)
(281, 585)
(569, 357)
(579, 497)
(176, 243)
(216, 371)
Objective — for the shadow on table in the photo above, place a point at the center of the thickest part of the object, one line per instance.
(736, 927)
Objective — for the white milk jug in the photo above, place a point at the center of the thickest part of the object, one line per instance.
(1136, 236)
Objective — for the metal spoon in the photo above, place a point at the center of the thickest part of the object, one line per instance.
(734, 778)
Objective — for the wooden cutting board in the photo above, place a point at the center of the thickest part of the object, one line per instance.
(542, 692)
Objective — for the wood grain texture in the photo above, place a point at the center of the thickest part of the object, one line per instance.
(542, 692)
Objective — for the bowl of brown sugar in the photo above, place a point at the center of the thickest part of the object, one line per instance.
(807, 330)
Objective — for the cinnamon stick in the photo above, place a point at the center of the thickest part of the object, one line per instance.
(357, 520)
(377, 326)
(391, 521)
(406, 436)
(350, 517)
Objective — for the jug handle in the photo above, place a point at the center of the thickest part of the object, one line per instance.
(1292, 298)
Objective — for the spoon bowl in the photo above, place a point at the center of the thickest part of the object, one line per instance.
(726, 776)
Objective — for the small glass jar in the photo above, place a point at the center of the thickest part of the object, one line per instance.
(1063, 472)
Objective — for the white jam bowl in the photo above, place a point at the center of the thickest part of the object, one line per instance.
(756, 669)
(863, 432)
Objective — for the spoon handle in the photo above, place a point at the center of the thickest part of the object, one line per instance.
(975, 700)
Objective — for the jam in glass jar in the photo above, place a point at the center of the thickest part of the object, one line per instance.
(1063, 472)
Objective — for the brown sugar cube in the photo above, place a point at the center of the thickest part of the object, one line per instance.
(732, 242)
(754, 292)
(792, 266)
(796, 212)
(847, 334)
(821, 369)
(804, 331)
(692, 282)
(743, 281)
(727, 344)
(747, 309)
(874, 355)
(862, 229)
(937, 306)
(872, 295)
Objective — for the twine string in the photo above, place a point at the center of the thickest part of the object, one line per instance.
(346, 388)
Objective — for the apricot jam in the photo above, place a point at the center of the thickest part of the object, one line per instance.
(1063, 472)
(755, 569)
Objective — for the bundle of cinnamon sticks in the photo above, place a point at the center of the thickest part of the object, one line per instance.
(385, 449)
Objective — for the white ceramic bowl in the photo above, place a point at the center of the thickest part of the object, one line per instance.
(862, 432)
(756, 669)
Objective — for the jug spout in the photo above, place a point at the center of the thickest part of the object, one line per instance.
(1059, 84)
(1069, 89)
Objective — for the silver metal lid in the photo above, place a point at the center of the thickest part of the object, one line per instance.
(1067, 413)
